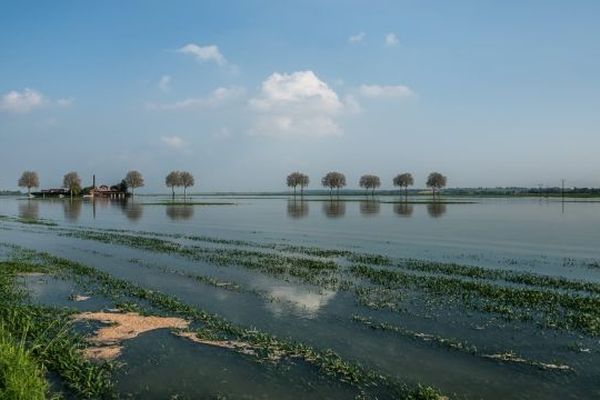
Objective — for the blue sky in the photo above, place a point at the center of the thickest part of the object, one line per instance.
(240, 93)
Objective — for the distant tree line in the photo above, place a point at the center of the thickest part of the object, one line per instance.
(336, 180)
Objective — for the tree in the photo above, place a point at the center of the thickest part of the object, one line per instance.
(436, 181)
(29, 179)
(297, 179)
(369, 182)
(404, 180)
(72, 182)
(121, 186)
(187, 180)
(134, 179)
(334, 180)
(292, 180)
(173, 180)
(304, 180)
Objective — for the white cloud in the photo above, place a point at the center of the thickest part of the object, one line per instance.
(173, 142)
(216, 98)
(391, 39)
(389, 91)
(21, 102)
(298, 103)
(352, 104)
(204, 53)
(358, 38)
(164, 83)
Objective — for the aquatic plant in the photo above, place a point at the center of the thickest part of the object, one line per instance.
(558, 309)
(457, 345)
(47, 336)
(28, 221)
(214, 326)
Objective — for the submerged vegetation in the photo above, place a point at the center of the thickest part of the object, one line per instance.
(380, 286)
(46, 340)
(577, 306)
(213, 327)
(552, 302)
(27, 220)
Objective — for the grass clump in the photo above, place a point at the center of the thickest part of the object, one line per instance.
(309, 270)
(215, 327)
(28, 221)
(46, 334)
(560, 310)
(21, 377)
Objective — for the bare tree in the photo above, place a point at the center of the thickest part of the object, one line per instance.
(72, 182)
(173, 180)
(187, 180)
(436, 181)
(369, 182)
(334, 180)
(404, 180)
(134, 179)
(29, 179)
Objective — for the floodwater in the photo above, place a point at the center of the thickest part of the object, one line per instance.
(538, 235)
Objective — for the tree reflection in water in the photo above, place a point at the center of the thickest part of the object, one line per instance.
(403, 209)
(334, 208)
(436, 210)
(179, 212)
(29, 209)
(297, 208)
(369, 207)
(133, 211)
(72, 209)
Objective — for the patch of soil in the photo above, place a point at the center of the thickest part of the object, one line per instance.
(107, 342)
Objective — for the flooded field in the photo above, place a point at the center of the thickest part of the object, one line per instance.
(272, 297)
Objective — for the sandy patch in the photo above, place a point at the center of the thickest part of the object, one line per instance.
(240, 347)
(510, 357)
(103, 352)
(107, 341)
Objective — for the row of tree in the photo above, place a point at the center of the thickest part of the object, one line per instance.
(179, 179)
(337, 180)
(133, 180)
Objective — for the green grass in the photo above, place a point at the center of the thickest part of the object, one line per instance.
(47, 336)
(553, 302)
(560, 310)
(216, 327)
(21, 376)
